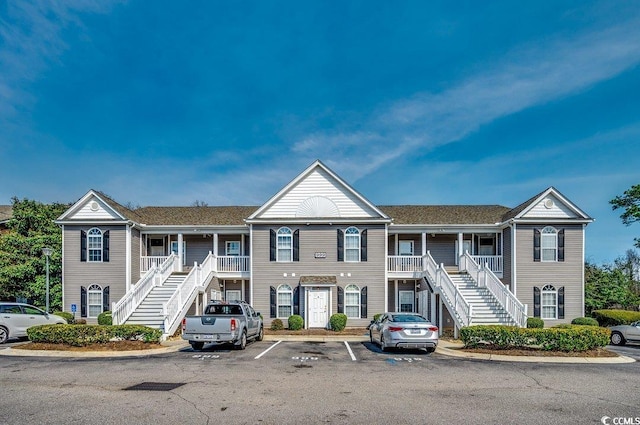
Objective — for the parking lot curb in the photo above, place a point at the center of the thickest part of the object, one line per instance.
(168, 347)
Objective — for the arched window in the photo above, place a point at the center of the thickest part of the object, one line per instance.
(94, 300)
(352, 301)
(549, 244)
(285, 301)
(94, 244)
(549, 302)
(285, 245)
(352, 244)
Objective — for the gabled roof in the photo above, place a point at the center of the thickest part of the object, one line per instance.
(179, 216)
(445, 214)
(112, 207)
(550, 193)
(317, 205)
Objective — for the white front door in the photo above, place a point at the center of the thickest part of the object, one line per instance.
(318, 308)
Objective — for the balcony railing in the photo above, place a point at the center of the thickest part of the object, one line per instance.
(149, 262)
(493, 262)
(223, 264)
(404, 263)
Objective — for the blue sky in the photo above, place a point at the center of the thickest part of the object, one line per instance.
(165, 103)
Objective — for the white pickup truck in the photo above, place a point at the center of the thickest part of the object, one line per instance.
(223, 322)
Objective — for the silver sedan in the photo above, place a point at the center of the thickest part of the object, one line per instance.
(625, 333)
(15, 318)
(404, 330)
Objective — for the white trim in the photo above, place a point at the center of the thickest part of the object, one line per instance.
(290, 305)
(226, 247)
(559, 196)
(89, 249)
(582, 269)
(359, 304)
(395, 294)
(128, 259)
(83, 201)
(215, 244)
(386, 269)
(513, 259)
(63, 274)
(251, 264)
(101, 292)
(288, 236)
(354, 236)
(555, 248)
(553, 291)
(413, 300)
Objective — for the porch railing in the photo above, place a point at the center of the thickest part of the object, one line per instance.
(451, 295)
(487, 279)
(121, 310)
(178, 304)
(494, 262)
(233, 263)
(404, 263)
(148, 262)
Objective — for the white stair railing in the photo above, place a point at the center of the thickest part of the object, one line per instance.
(121, 310)
(178, 304)
(450, 294)
(485, 278)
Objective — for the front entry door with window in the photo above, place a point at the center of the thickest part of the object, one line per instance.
(318, 308)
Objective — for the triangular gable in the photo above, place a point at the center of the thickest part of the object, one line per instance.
(318, 192)
(91, 207)
(551, 204)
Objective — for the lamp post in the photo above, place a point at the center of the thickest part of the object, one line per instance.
(47, 253)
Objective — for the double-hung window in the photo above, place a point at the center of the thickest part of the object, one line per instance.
(352, 244)
(285, 301)
(94, 245)
(549, 244)
(233, 248)
(94, 300)
(352, 301)
(549, 302)
(285, 244)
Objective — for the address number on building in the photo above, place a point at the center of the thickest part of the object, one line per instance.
(320, 255)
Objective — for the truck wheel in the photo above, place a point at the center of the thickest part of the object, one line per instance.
(242, 344)
(196, 345)
(260, 336)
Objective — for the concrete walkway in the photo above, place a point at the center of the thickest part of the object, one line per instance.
(446, 348)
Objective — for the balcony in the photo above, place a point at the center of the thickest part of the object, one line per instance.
(411, 266)
(225, 265)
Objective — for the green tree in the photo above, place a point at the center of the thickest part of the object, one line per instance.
(22, 264)
(608, 286)
(630, 202)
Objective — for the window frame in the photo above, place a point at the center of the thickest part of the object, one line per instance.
(233, 291)
(405, 242)
(413, 301)
(548, 290)
(95, 239)
(228, 251)
(94, 289)
(355, 292)
(282, 235)
(353, 234)
(549, 233)
(284, 289)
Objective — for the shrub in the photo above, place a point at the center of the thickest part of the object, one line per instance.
(276, 325)
(89, 334)
(65, 315)
(615, 317)
(105, 318)
(376, 316)
(338, 321)
(564, 338)
(296, 322)
(535, 322)
(587, 321)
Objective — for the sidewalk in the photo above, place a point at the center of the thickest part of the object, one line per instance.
(446, 348)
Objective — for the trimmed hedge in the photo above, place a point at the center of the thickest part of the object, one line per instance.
(565, 338)
(338, 321)
(65, 315)
(615, 317)
(84, 335)
(105, 318)
(296, 322)
(277, 325)
(586, 321)
(535, 322)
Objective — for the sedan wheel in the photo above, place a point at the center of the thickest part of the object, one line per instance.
(4, 335)
(617, 338)
(383, 346)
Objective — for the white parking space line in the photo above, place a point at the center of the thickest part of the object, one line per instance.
(266, 351)
(353, 357)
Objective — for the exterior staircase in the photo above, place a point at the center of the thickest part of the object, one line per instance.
(486, 309)
(149, 312)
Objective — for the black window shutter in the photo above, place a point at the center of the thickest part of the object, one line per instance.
(561, 245)
(272, 246)
(363, 303)
(83, 301)
(105, 299)
(105, 246)
(340, 245)
(296, 246)
(363, 246)
(561, 303)
(83, 245)
(296, 300)
(340, 299)
(536, 301)
(272, 297)
(536, 245)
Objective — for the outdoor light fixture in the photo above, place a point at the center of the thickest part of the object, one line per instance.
(47, 254)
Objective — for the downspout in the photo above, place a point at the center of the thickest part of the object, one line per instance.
(128, 261)
(583, 253)
(251, 264)
(386, 268)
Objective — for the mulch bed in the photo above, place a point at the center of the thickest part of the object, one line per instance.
(598, 352)
(109, 346)
(319, 332)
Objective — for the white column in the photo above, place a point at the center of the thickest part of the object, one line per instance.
(242, 286)
(395, 245)
(395, 294)
(440, 324)
(424, 244)
(432, 307)
(180, 253)
(460, 245)
(215, 244)
(129, 266)
(242, 246)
